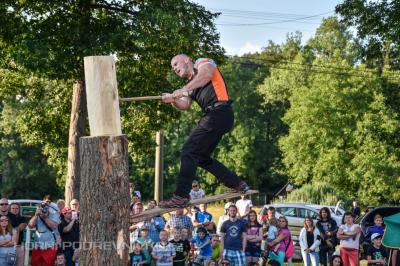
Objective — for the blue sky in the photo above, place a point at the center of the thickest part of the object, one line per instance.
(246, 26)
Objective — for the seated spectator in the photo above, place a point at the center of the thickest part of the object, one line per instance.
(21, 225)
(138, 256)
(202, 244)
(45, 221)
(310, 240)
(349, 235)
(163, 251)
(376, 254)
(378, 227)
(8, 241)
(69, 231)
(147, 243)
(196, 192)
(179, 220)
(336, 260)
(60, 260)
(182, 247)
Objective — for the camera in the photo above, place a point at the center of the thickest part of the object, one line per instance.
(45, 208)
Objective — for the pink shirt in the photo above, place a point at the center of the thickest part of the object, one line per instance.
(353, 242)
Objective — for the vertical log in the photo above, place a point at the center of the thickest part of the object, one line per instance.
(102, 96)
(104, 201)
(104, 171)
(76, 130)
(159, 167)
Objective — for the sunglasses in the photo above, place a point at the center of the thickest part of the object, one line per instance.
(194, 186)
(3, 204)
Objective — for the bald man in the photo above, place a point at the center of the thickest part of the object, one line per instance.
(207, 88)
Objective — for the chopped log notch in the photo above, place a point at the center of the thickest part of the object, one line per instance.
(104, 171)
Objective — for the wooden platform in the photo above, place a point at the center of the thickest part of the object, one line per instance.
(158, 211)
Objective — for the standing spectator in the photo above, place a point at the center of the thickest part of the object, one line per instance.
(4, 211)
(283, 239)
(244, 206)
(202, 243)
(271, 235)
(20, 227)
(69, 231)
(179, 220)
(147, 244)
(376, 254)
(60, 260)
(349, 235)
(356, 210)
(309, 240)
(155, 224)
(336, 260)
(204, 219)
(45, 220)
(164, 252)
(135, 227)
(182, 247)
(328, 229)
(138, 256)
(223, 217)
(254, 236)
(233, 238)
(377, 227)
(196, 192)
(216, 247)
(60, 205)
(8, 241)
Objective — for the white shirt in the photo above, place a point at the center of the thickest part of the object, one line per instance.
(197, 194)
(244, 206)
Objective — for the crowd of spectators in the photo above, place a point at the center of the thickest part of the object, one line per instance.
(191, 236)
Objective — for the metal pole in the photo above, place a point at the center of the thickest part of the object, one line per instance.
(159, 167)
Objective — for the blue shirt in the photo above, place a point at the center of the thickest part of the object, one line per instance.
(207, 249)
(182, 221)
(233, 234)
(375, 229)
(155, 225)
(202, 217)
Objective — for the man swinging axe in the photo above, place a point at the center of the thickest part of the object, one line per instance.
(205, 86)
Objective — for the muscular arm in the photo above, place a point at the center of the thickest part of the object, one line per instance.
(203, 76)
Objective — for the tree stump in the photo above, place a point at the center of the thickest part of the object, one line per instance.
(105, 199)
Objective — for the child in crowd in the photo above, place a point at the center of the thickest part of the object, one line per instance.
(137, 256)
(196, 192)
(271, 235)
(216, 247)
(378, 226)
(185, 234)
(376, 254)
(163, 252)
(147, 244)
(202, 243)
(182, 247)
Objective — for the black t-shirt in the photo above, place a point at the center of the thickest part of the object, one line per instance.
(376, 254)
(328, 225)
(20, 220)
(310, 239)
(71, 237)
(13, 219)
(181, 246)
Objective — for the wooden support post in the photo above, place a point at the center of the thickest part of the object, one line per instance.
(159, 167)
(104, 190)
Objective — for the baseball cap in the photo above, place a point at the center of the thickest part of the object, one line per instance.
(375, 235)
(227, 205)
(66, 210)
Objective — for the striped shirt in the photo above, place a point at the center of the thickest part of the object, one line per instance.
(164, 251)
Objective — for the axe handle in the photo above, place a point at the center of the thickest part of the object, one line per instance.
(143, 98)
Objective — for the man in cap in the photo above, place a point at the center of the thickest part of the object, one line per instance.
(69, 231)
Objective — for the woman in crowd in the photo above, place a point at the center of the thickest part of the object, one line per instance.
(284, 237)
(254, 236)
(349, 235)
(336, 260)
(309, 240)
(8, 241)
(328, 229)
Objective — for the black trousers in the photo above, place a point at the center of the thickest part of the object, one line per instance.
(201, 143)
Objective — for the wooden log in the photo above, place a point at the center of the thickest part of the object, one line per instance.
(76, 130)
(102, 96)
(104, 201)
(159, 167)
